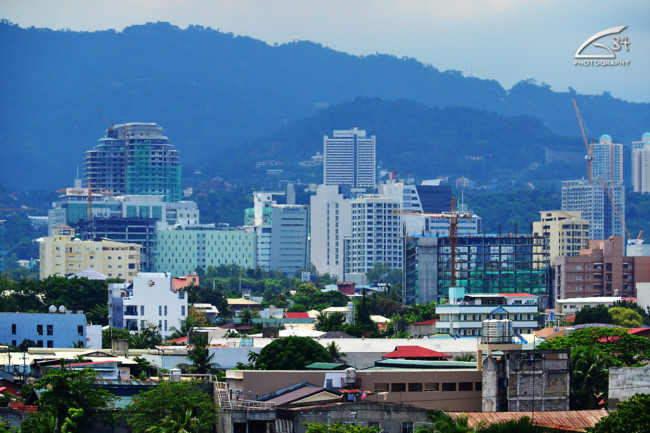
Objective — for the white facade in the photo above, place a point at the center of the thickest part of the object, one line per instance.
(466, 317)
(149, 299)
(608, 160)
(641, 164)
(376, 236)
(573, 305)
(330, 226)
(591, 199)
(349, 158)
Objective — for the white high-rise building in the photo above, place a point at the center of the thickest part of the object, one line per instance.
(349, 159)
(331, 229)
(608, 160)
(641, 164)
(376, 236)
(591, 199)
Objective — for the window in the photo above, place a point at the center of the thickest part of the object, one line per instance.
(449, 386)
(478, 386)
(407, 427)
(398, 387)
(39, 343)
(432, 386)
(39, 331)
(50, 329)
(80, 330)
(465, 386)
(160, 310)
(415, 387)
(50, 343)
(165, 310)
(142, 310)
(381, 387)
(182, 310)
(13, 329)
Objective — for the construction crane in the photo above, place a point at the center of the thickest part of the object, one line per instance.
(90, 199)
(590, 148)
(453, 218)
(618, 214)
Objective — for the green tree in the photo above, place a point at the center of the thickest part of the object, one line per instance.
(383, 273)
(178, 423)
(442, 422)
(598, 314)
(521, 425)
(144, 367)
(334, 322)
(338, 427)
(62, 390)
(589, 377)
(631, 416)
(334, 352)
(626, 317)
(111, 333)
(199, 354)
(147, 337)
(171, 401)
(291, 353)
(628, 349)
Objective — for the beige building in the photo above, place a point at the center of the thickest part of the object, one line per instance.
(562, 233)
(61, 254)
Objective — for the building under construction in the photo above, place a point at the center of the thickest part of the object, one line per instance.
(137, 159)
(484, 264)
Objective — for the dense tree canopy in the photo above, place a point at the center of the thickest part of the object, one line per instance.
(631, 416)
(626, 317)
(291, 353)
(168, 402)
(598, 314)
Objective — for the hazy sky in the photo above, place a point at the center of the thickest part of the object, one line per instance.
(506, 40)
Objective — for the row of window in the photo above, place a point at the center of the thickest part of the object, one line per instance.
(428, 386)
(49, 329)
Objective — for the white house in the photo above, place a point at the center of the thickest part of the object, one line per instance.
(151, 298)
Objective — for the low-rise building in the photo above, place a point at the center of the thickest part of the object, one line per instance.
(150, 298)
(570, 306)
(465, 316)
(62, 254)
(56, 329)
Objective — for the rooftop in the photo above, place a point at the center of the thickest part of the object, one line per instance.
(415, 352)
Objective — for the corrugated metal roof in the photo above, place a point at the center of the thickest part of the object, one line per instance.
(415, 352)
(573, 420)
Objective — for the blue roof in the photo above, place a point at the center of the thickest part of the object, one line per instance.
(500, 310)
(605, 137)
(645, 135)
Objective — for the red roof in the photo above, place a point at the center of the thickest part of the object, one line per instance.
(426, 322)
(574, 420)
(415, 352)
(20, 406)
(4, 389)
(643, 332)
(182, 340)
(296, 315)
(517, 295)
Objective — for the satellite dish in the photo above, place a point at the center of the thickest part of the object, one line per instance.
(62, 309)
(52, 309)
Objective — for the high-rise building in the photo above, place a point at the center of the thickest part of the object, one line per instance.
(281, 233)
(135, 158)
(376, 236)
(62, 255)
(591, 199)
(561, 233)
(331, 228)
(601, 269)
(641, 164)
(608, 160)
(349, 159)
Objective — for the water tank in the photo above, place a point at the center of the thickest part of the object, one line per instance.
(52, 309)
(350, 376)
(497, 331)
(62, 309)
(175, 375)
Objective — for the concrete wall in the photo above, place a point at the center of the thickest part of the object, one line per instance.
(421, 388)
(624, 382)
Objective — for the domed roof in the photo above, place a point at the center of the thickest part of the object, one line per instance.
(605, 137)
(645, 136)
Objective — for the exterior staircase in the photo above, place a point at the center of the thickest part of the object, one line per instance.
(223, 395)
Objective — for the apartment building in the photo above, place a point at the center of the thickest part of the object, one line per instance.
(561, 233)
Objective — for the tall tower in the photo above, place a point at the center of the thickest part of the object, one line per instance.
(608, 160)
(349, 159)
(591, 199)
(641, 164)
(136, 159)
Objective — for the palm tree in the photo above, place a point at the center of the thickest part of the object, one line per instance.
(521, 425)
(442, 422)
(334, 351)
(185, 423)
(202, 360)
(144, 366)
(589, 376)
(468, 357)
